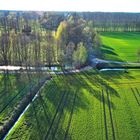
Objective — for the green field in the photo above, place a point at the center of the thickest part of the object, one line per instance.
(84, 106)
(90, 105)
(13, 88)
(122, 46)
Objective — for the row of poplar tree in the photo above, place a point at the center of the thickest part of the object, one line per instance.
(25, 42)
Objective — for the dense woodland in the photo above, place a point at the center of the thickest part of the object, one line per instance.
(40, 38)
(57, 38)
(114, 21)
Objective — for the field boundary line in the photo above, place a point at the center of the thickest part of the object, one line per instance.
(110, 113)
(137, 91)
(37, 121)
(135, 96)
(70, 117)
(105, 121)
(60, 115)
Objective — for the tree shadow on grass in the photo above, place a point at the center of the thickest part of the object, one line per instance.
(116, 77)
(109, 51)
(5, 82)
(20, 81)
(107, 47)
(37, 120)
(98, 85)
(64, 99)
(6, 85)
(13, 94)
(64, 95)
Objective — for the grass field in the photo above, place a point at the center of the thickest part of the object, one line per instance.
(84, 106)
(13, 88)
(122, 46)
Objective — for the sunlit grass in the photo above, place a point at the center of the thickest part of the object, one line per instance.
(88, 99)
(122, 46)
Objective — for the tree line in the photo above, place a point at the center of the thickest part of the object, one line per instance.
(114, 21)
(39, 39)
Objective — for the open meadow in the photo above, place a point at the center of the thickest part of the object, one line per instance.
(83, 106)
(121, 46)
